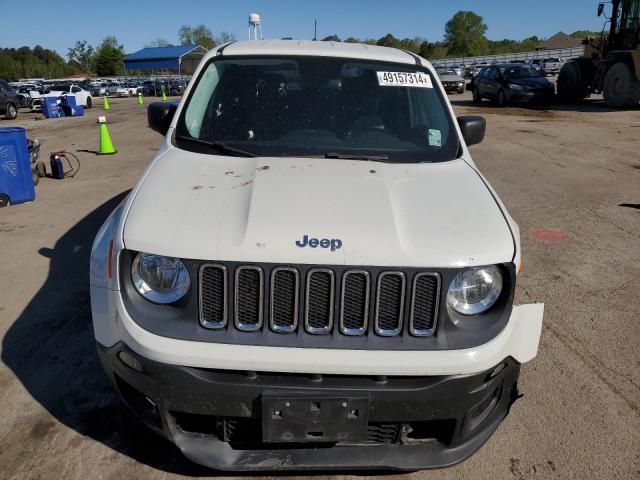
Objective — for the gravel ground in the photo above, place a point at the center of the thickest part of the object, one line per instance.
(570, 176)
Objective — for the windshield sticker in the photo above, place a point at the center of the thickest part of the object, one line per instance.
(435, 138)
(404, 79)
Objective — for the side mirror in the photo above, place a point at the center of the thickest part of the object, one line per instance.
(600, 9)
(472, 128)
(160, 114)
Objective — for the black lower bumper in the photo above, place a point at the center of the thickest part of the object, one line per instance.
(221, 418)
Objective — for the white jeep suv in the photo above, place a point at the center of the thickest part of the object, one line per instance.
(312, 273)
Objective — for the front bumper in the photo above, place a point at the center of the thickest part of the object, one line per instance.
(215, 417)
(530, 96)
(519, 340)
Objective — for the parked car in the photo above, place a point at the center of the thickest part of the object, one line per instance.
(133, 88)
(451, 81)
(460, 70)
(99, 89)
(313, 276)
(474, 77)
(83, 98)
(512, 83)
(9, 101)
(24, 97)
(551, 66)
(477, 69)
(116, 89)
(149, 88)
(176, 88)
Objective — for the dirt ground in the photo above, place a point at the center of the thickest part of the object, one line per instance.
(570, 176)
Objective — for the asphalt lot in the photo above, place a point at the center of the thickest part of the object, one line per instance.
(570, 176)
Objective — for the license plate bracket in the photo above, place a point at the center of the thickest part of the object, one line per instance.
(290, 419)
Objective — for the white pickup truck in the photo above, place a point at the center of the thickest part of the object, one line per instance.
(312, 273)
(551, 66)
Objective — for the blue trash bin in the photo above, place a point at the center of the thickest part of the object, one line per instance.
(50, 107)
(68, 100)
(16, 182)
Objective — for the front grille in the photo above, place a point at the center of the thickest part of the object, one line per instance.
(213, 296)
(424, 304)
(248, 297)
(354, 307)
(383, 432)
(284, 299)
(319, 301)
(390, 303)
(360, 302)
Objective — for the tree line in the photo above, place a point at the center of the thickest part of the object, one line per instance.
(105, 59)
(465, 35)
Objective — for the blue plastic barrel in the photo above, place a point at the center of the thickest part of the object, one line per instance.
(16, 182)
(50, 107)
(68, 100)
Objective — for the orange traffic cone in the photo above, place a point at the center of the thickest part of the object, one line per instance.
(106, 146)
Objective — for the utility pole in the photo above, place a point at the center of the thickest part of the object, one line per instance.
(315, 29)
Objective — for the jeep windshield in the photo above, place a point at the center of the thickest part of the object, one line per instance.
(318, 107)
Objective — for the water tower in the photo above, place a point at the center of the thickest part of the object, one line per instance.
(255, 27)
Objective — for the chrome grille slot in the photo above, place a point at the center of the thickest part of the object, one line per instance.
(319, 298)
(354, 302)
(284, 299)
(213, 296)
(249, 287)
(424, 304)
(390, 303)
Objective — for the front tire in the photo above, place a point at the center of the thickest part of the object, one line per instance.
(570, 88)
(89, 102)
(621, 88)
(477, 98)
(501, 99)
(4, 201)
(11, 113)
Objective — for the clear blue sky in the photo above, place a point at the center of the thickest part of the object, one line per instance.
(58, 24)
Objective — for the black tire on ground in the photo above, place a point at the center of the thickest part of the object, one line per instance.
(570, 89)
(89, 102)
(4, 201)
(35, 177)
(40, 169)
(621, 87)
(501, 99)
(11, 113)
(477, 98)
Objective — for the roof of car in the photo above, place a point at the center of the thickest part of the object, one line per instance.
(314, 48)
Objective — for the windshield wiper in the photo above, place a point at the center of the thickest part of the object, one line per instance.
(349, 156)
(218, 146)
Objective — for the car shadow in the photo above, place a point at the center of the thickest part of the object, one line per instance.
(51, 350)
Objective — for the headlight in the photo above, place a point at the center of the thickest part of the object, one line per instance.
(513, 86)
(160, 279)
(475, 290)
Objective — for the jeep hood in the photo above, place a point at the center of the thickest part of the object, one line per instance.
(210, 207)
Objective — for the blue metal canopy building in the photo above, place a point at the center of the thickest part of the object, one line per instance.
(182, 59)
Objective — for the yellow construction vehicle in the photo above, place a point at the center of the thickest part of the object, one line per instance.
(611, 63)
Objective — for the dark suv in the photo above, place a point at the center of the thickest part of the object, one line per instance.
(8, 101)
